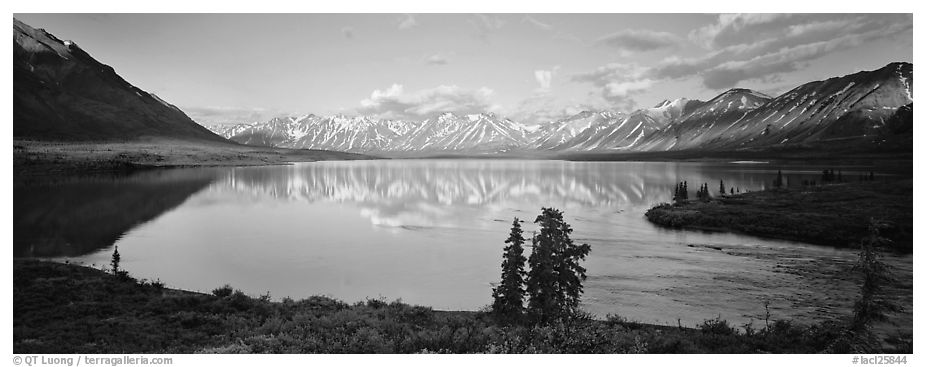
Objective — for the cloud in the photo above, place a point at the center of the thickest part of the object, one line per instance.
(618, 83)
(408, 22)
(794, 46)
(619, 90)
(348, 32)
(210, 115)
(536, 23)
(734, 29)
(786, 59)
(395, 103)
(541, 108)
(545, 78)
(485, 25)
(766, 46)
(436, 59)
(640, 40)
(613, 71)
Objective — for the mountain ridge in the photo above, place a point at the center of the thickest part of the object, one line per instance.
(851, 107)
(60, 92)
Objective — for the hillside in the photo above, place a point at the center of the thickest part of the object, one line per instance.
(74, 113)
(853, 109)
(60, 92)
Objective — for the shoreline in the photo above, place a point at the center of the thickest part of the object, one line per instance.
(68, 308)
(32, 158)
(834, 215)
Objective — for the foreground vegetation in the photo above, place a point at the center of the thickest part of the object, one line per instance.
(61, 308)
(835, 214)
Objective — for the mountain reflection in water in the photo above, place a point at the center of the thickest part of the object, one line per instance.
(429, 232)
(427, 193)
(77, 215)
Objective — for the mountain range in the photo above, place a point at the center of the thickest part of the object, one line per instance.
(61, 93)
(865, 110)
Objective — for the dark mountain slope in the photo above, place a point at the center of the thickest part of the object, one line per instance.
(62, 93)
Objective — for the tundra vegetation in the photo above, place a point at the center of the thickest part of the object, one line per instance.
(833, 213)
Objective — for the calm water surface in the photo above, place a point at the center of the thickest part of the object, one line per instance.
(431, 232)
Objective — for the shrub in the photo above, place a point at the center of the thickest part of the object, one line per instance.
(223, 291)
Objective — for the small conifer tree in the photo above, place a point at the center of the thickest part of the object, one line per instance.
(872, 305)
(722, 190)
(115, 261)
(509, 295)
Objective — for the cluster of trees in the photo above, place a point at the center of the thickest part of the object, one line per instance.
(835, 176)
(681, 192)
(703, 193)
(552, 287)
(680, 195)
(830, 176)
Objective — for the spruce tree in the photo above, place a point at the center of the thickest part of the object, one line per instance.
(722, 190)
(873, 305)
(115, 261)
(554, 282)
(681, 193)
(509, 295)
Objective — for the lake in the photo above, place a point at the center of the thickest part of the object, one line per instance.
(431, 232)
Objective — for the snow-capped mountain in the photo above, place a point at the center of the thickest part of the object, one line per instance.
(666, 110)
(447, 132)
(621, 132)
(454, 133)
(227, 131)
(863, 108)
(553, 135)
(338, 132)
(703, 123)
(850, 107)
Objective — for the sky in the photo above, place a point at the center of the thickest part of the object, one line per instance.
(533, 68)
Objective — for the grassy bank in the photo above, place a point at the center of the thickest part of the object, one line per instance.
(45, 157)
(834, 215)
(60, 308)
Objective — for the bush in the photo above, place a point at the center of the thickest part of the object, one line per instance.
(223, 291)
(717, 326)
